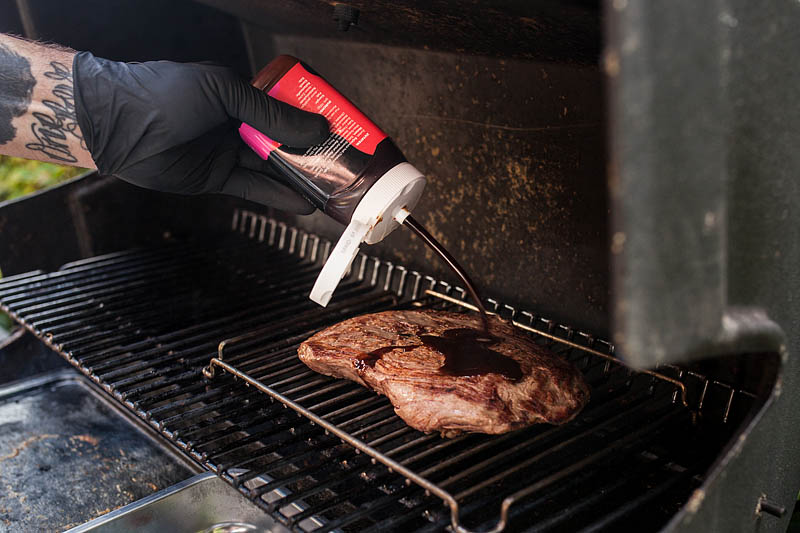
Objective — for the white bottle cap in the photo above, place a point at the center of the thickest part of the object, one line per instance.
(379, 212)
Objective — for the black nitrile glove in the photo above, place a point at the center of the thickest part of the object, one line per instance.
(173, 127)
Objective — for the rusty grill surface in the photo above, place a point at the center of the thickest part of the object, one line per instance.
(323, 454)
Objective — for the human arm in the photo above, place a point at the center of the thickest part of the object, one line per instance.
(37, 105)
(161, 125)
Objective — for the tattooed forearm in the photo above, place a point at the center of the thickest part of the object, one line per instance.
(52, 129)
(16, 90)
(37, 103)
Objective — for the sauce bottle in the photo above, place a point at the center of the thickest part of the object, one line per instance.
(357, 176)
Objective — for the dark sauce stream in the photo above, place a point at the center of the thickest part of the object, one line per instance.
(466, 350)
(452, 263)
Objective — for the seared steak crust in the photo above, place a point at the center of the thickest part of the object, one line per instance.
(387, 352)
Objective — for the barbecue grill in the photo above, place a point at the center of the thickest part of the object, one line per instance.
(146, 325)
(187, 312)
(199, 339)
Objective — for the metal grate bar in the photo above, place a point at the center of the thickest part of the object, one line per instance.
(596, 412)
(203, 343)
(258, 307)
(11, 287)
(117, 292)
(580, 438)
(110, 280)
(635, 505)
(341, 454)
(235, 425)
(139, 316)
(261, 453)
(374, 506)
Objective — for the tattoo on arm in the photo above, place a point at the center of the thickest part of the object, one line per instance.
(52, 129)
(16, 90)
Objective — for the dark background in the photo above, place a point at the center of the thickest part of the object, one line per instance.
(500, 104)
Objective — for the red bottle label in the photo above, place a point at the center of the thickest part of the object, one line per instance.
(349, 126)
(319, 171)
(310, 92)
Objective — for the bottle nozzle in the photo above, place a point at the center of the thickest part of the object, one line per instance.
(401, 215)
(382, 208)
(338, 262)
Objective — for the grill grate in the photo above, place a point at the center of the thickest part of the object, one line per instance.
(314, 451)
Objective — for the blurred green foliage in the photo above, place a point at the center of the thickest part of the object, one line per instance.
(5, 322)
(19, 177)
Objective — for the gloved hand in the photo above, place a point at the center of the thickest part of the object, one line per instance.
(173, 127)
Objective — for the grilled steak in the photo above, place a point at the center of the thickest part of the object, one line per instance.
(442, 373)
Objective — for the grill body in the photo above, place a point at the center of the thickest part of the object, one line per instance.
(518, 113)
(194, 328)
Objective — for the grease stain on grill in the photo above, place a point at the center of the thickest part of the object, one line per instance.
(466, 352)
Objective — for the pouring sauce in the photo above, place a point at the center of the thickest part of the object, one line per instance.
(466, 352)
(437, 247)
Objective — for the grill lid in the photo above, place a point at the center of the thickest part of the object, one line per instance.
(696, 186)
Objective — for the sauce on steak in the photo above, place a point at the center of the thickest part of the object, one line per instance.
(443, 373)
